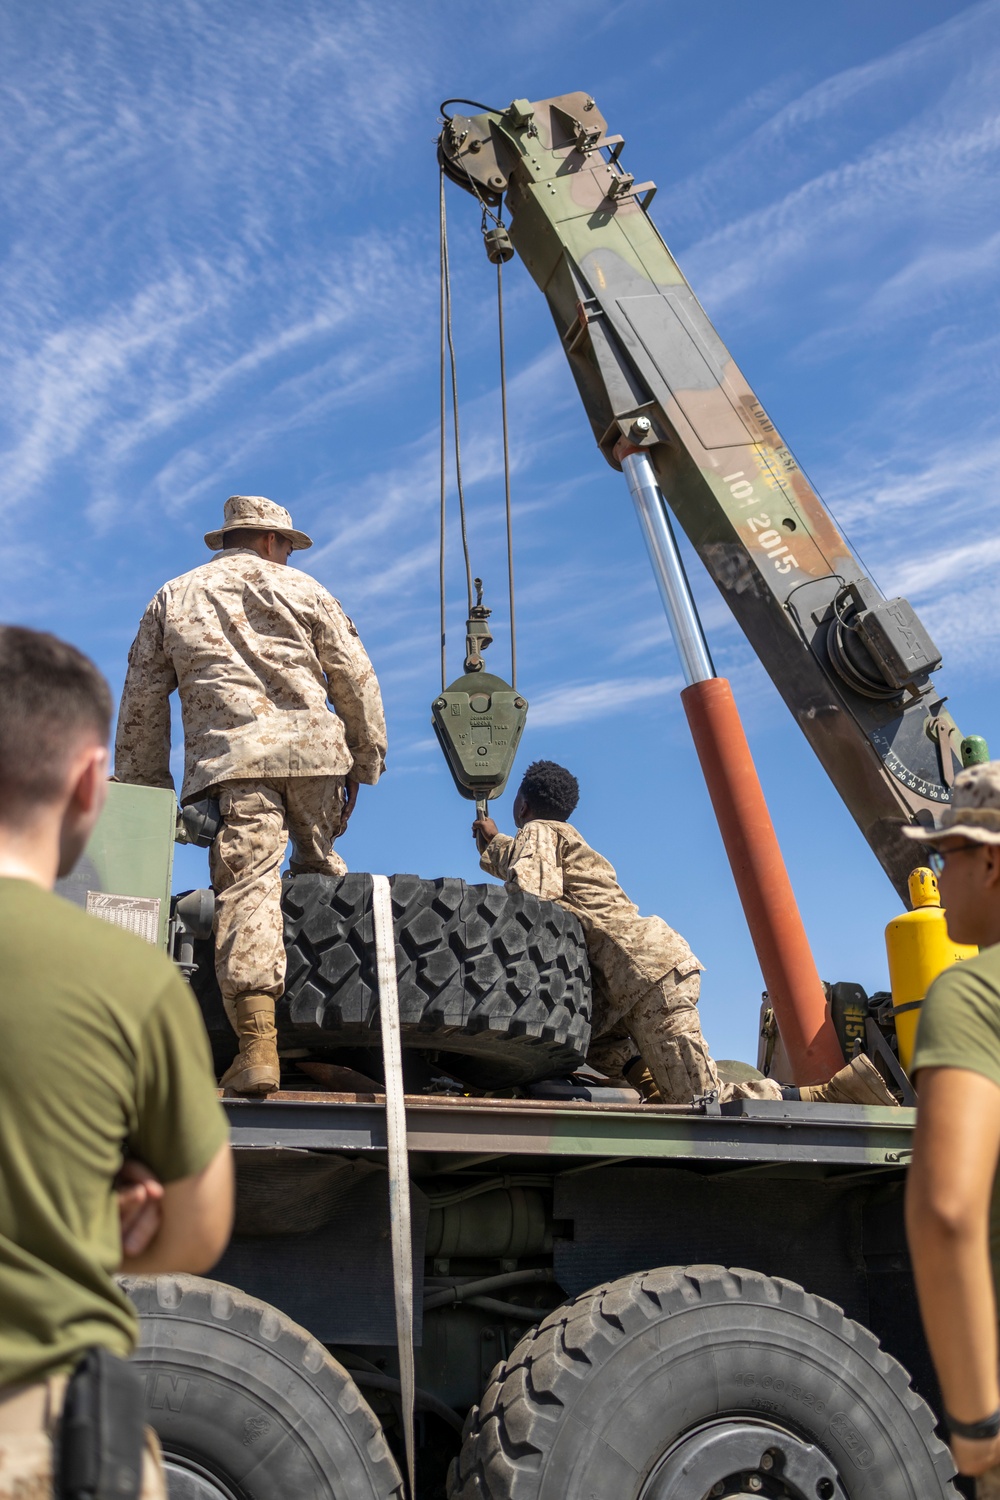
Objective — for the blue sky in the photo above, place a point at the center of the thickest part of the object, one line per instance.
(218, 273)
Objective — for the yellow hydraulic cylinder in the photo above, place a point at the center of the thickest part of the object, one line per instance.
(918, 948)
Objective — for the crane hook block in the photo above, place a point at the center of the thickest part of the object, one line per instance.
(478, 721)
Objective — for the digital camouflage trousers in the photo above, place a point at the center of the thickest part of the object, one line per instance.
(258, 819)
(988, 1485)
(29, 1418)
(663, 1028)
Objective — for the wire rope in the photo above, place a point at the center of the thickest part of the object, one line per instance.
(444, 456)
(506, 478)
(450, 336)
(449, 363)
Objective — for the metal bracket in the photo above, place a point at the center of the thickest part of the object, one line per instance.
(621, 187)
(877, 1046)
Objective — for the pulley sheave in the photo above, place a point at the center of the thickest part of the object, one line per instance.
(478, 719)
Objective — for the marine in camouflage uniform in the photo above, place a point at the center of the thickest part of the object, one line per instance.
(257, 651)
(29, 1435)
(646, 980)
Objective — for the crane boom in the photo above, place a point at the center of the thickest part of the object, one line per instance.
(852, 666)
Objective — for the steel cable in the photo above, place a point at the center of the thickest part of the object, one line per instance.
(448, 361)
(444, 454)
(446, 282)
(506, 477)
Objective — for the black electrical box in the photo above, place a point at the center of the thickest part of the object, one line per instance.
(893, 634)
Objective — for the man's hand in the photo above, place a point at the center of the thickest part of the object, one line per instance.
(975, 1457)
(350, 798)
(196, 1216)
(484, 831)
(140, 1212)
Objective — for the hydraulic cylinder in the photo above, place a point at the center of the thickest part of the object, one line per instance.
(793, 984)
(794, 987)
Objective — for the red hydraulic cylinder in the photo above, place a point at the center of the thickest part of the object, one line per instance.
(793, 983)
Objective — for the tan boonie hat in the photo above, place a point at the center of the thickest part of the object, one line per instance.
(256, 513)
(975, 808)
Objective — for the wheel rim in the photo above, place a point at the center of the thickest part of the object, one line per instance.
(187, 1480)
(742, 1459)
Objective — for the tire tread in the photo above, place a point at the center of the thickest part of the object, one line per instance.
(544, 1372)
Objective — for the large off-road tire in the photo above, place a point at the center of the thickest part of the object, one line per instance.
(496, 982)
(247, 1405)
(668, 1383)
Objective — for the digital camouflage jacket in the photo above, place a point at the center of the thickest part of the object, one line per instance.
(552, 860)
(257, 651)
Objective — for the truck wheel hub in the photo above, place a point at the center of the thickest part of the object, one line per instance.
(187, 1480)
(742, 1459)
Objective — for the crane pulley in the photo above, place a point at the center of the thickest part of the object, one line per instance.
(478, 718)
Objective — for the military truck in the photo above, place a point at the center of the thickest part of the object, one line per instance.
(520, 1283)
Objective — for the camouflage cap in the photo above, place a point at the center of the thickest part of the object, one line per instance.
(974, 812)
(256, 513)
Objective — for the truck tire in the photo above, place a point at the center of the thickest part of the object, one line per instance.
(668, 1383)
(495, 982)
(247, 1405)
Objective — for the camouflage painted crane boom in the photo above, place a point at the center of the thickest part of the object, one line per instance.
(853, 667)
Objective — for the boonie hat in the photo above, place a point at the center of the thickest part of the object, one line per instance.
(974, 812)
(256, 513)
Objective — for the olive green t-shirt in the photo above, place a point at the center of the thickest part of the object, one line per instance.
(102, 1054)
(960, 1028)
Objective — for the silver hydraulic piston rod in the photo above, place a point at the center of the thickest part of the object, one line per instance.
(671, 579)
(765, 891)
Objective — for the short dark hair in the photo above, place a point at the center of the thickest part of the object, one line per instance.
(247, 536)
(51, 695)
(550, 790)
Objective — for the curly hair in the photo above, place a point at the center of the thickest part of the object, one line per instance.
(550, 790)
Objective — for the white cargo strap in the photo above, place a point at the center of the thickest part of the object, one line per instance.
(399, 1169)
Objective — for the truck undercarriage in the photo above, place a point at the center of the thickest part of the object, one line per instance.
(529, 1216)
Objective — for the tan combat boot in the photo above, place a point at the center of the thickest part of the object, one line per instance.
(638, 1077)
(255, 1070)
(859, 1083)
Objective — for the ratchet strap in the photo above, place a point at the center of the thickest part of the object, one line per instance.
(399, 1170)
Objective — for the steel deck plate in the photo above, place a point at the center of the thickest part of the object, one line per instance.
(849, 1135)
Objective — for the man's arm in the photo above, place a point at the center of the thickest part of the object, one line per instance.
(196, 1219)
(354, 691)
(142, 739)
(530, 861)
(484, 831)
(948, 1195)
(140, 1196)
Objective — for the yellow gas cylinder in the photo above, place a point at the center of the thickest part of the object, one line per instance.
(918, 948)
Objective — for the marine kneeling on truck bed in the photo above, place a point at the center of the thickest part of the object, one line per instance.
(645, 1027)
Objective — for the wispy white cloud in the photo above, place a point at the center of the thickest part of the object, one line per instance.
(155, 259)
(766, 244)
(819, 122)
(956, 564)
(582, 702)
(894, 490)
